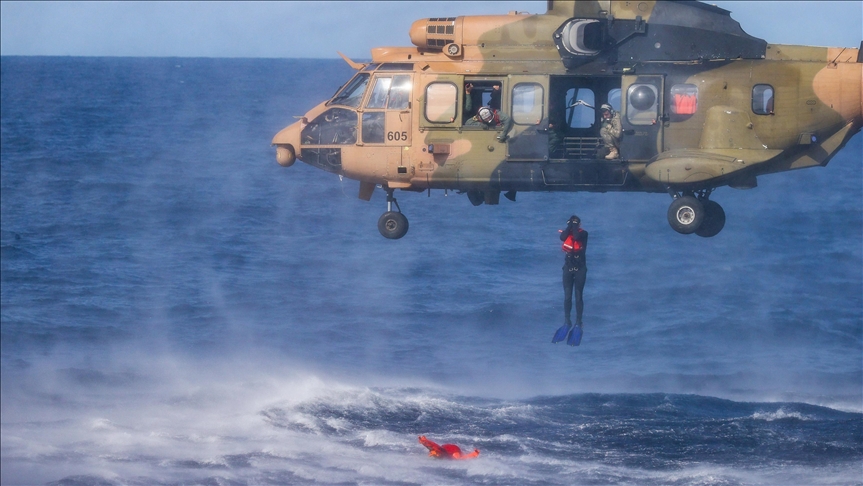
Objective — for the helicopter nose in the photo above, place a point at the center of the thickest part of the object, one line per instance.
(287, 143)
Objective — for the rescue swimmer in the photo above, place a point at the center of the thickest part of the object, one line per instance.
(700, 104)
(574, 246)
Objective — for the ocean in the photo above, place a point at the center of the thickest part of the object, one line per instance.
(179, 309)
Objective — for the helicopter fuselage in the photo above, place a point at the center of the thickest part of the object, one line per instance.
(695, 115)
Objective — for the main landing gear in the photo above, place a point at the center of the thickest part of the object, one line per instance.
(695, 213)
(392, 224)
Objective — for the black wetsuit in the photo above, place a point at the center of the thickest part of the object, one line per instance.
(574, 275)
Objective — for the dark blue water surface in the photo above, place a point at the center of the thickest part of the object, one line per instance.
(178, 309)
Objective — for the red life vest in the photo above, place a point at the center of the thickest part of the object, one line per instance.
(571, 245)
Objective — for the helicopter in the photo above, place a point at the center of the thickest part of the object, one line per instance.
(700, 103)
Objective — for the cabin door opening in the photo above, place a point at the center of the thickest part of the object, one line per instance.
(574, 116)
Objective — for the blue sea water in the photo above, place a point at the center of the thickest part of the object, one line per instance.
(178, 309)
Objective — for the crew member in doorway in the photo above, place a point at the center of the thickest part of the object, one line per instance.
(574, 268)
(611, 131)
(473, 98)
(488, 116)
(446, 451)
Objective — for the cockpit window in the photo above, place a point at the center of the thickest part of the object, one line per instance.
(352, 93)
(396, 89)
(378, 99)
(400, 93)
(336, 126)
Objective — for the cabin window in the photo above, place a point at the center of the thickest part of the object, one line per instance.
(583, 114)
(441, 102)
(684, 99)
(762, 99)
(352, 94)
(528, 103)
(642, 103)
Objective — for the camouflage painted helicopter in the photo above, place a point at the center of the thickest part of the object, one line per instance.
(701, 105)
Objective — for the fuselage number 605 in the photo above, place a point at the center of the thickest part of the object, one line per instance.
(397, 136)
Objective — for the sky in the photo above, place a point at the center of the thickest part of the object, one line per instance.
(320, 29)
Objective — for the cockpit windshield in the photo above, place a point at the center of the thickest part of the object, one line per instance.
(352, 93)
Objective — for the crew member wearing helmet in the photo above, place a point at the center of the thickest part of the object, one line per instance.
(611, 131)
(574, 268)
(487, 116)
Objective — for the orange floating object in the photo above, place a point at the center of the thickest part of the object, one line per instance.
(446, 451)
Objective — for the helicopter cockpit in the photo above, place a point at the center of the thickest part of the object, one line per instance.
(377, 91)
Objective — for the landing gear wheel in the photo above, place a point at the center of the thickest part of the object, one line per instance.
(686, 214)
(714, 219)
(393, 225)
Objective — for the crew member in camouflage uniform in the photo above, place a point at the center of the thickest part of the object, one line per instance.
(611, 131)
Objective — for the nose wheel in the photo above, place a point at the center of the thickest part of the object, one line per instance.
(392, 224)
(691, 213)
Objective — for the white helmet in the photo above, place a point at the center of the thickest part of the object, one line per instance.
(485, 114)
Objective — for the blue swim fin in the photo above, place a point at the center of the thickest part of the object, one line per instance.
(560, 335)
(574, 338)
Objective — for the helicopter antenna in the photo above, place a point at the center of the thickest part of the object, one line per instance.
(833, 62)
